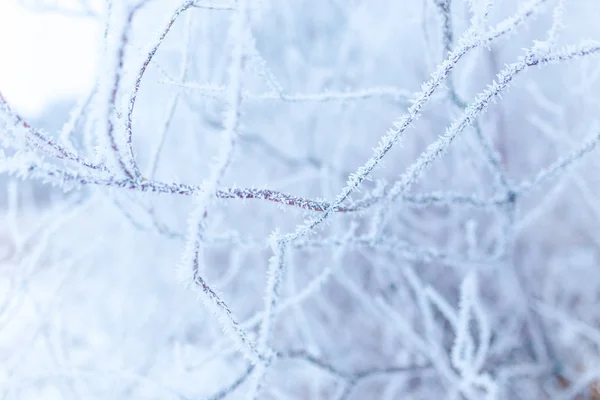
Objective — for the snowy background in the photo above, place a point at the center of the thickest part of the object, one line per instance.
(308, 199)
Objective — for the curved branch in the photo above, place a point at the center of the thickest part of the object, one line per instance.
(133, 97)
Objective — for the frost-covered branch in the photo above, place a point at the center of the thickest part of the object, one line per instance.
(41, 140)
(140, 75)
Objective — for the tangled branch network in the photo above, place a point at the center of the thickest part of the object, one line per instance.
(240, 148)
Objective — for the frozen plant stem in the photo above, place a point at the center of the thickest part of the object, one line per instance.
(193, 257)
(133, 96)
(272, 297)
(129, 167)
